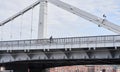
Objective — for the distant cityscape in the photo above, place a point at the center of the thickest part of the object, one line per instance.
(86, 68)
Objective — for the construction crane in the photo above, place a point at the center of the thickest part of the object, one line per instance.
(90, 17)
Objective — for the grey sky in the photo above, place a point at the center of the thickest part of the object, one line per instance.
(60, 22)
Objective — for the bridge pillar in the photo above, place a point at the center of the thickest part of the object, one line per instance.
(42, 26)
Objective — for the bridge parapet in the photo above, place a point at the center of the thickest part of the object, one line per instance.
(62, 43)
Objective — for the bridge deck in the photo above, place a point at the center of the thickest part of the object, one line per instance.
(62, 43)
(71, 48)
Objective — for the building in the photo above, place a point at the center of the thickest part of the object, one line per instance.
(103, 68)
(84, 68)
(118, 69)
(77, 68)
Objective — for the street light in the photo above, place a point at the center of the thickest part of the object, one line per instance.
(2, 68)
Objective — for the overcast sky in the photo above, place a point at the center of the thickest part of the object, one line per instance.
(60, 22)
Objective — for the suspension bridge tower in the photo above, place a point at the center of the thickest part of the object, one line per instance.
(42, 26)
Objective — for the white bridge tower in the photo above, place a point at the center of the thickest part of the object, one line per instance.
(42, 26)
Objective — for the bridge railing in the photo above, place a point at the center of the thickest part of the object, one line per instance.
(90, 40)
(7, 71)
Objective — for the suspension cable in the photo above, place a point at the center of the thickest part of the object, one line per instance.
(31, 29)
(21, 22)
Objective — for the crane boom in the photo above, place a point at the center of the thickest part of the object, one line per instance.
(92, 18)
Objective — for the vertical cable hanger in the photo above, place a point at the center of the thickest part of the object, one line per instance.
(21, 22)
(31, 29)
(11, 36)
(1, 33)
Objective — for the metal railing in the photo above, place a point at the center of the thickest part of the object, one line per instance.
(63, 41)
(7, 71)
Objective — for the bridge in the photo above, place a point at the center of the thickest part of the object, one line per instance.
(38, 54)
